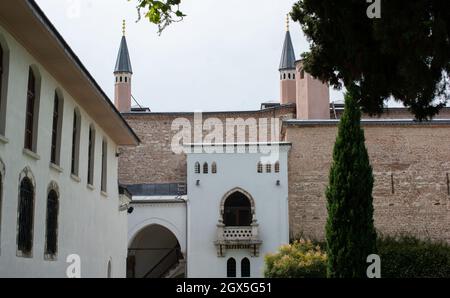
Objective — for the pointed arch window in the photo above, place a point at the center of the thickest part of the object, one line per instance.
(245, 267)
(237, 210)
(75, 142)
(260, 167)
(51, 227)
(25, 217)
(104, 178)
(32, 111)
(231, 267)
(214, 168)
(277, 167)
(56, 129)
(91, 155)
(205, 168)
(197, 168)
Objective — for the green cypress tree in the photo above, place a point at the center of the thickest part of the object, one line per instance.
(350, 232)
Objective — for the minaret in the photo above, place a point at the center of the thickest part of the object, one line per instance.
(287, 70)
(123, 73)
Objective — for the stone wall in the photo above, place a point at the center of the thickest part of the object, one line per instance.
(410, 165)
(415, 157)
(154, 161)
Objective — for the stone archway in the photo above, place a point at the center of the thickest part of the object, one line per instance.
(155, 252)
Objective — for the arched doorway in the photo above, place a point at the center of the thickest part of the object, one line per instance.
(154, 253)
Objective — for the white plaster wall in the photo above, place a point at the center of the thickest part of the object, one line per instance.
(90, 224)
(271, 203)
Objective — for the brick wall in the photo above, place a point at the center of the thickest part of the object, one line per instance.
(417, 157)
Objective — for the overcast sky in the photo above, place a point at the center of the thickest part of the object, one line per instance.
(223, 56)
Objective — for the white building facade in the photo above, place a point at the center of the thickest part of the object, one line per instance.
(59, 138)
(237, 208)
(235, 212)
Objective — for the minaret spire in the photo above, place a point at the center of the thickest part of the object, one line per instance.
(123, 73)
(287, 69)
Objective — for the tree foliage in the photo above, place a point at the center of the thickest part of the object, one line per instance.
(161, 13)
(350, 232)
(404, 54)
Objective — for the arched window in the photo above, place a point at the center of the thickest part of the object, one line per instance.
(32, 111)
(197, 168)
(293, 76)
(25, 217)
(91, 155)
(104, 178)
(284, 76)
(231, 267)
(277, 167)
(268, 168)
(302, 74)
(75, 142)
(126, 79)
(237, 210)
(260, 167)
(245, 267)
(121, 79)
(51, 227)
(56, 129)
(289, 76)
(214, 168)
(205, 168)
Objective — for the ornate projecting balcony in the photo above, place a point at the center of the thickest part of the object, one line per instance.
(238, 238)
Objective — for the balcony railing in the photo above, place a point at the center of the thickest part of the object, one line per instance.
(246, 237)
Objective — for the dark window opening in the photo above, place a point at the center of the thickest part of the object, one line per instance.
(197, 168)
(245, 267)
(302, 74)
(75, 142)
(268, 168)
(30, 111)
(56, 130)
(91, 151)
(51, 240)
(104, 177)
(205, 168)
(231, 267)
(260, 167)
(237, 211)
(26, 214)
(214, 168)
(277, 167)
